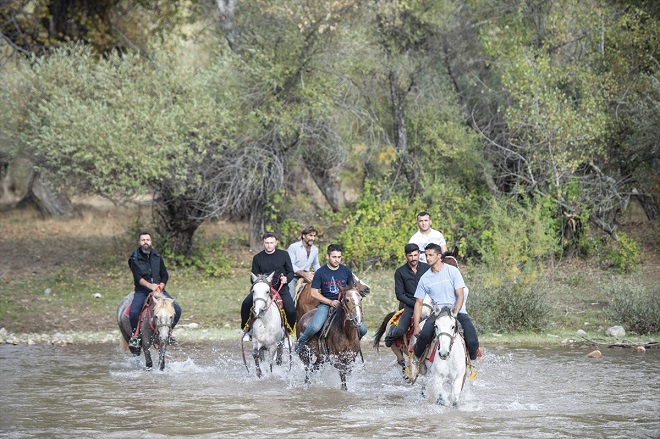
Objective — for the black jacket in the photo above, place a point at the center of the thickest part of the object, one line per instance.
(150, 267)
(405, 282)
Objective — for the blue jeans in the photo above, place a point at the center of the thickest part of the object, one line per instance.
(317, 321)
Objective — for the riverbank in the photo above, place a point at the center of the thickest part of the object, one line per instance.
(61, 282)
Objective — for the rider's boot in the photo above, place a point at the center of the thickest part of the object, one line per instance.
(135, 341)
(171, 340)
(389, 340)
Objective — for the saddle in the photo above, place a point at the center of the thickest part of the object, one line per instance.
(143, 312)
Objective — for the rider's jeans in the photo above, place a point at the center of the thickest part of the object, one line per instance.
(317, 321)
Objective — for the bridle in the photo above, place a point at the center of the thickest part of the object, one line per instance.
(452, 337)
(268, 301)
(349, 310)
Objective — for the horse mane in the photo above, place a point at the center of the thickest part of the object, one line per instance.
(261, 278)
(163, 303)
(445, 311)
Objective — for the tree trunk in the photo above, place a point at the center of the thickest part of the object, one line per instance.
(174, 223)
(49, 202)
(257, 227)
(328, 185)
(406, 158)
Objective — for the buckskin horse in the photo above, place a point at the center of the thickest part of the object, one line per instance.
(338, 342)
(155, 325)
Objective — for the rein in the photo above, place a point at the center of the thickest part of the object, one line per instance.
(452, 338)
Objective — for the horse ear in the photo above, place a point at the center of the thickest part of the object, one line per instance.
(455, 251)
(254, 277)
(454, 311)
(436, 309)
(270, 277)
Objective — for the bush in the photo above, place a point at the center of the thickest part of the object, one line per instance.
(635, 307)
(624, 253)
(511, 307)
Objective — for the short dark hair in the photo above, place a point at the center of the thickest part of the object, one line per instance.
(307, 230)
(435, 247)
(145, 232)
(334, 248)
(269, 235)
(410, 247)
(423, 213)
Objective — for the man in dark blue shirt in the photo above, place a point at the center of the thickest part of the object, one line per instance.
(325, 288)
(406, 278)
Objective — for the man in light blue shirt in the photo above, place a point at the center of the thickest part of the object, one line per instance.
(446, 287)
(304, 256)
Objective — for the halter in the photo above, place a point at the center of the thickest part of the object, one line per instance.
(272, 294)
(452, 337)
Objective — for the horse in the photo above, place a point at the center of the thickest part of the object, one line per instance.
(402, 348)
(447, 360)
(338, 343)
(267, 328)
(305, 302)
(156, 321)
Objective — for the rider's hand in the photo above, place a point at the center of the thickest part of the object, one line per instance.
(334, 303)
(416, 330)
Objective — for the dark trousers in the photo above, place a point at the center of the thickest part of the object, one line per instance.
(399, 330)
(287, 303)
(138, 302)
(469, 333)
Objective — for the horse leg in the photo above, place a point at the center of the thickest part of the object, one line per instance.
(147, 357)
(161, 356)
(280, 348)
(342, 375)
(256, 354)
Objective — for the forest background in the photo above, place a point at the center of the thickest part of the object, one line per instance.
(528, 129)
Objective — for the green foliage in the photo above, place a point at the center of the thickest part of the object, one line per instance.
(511, 307)
(624, 253)
(210, 258)
(517, 238)
(635, 307)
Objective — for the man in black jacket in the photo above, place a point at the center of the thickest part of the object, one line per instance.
(149, 275)
(273, 260)
(406, 278)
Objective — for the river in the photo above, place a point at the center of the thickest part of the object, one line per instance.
(96, 391)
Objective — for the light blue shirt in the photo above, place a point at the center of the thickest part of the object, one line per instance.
(440, 286)
(300, 259)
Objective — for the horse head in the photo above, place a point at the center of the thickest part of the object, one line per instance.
(260, 293)
(351, 301)
(450, 257)
(446, 329)
(163, 315)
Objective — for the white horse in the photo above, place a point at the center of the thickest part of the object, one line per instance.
(267, 329)
(446, 362)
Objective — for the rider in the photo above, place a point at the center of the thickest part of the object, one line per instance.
(325, 288)
(426, 235)
(406, 278)
(444, 284)
(304, 256)
(149, 275)
(272, 260)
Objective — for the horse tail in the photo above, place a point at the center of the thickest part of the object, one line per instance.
(123, 344)
(381, 330)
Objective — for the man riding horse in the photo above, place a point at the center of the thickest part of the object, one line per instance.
(149, 275)
(445, 285)
(325, 288)
(406, 278)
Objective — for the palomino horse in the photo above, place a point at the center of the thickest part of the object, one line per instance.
(267, 328)
(338, 342)
(446, 361)
(156, 321)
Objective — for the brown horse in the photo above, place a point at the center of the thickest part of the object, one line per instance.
(402, 348)
(155, 326)
(338, 343)
(305, 302)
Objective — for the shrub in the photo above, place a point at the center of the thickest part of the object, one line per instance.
(511, 307)
(635, 307)
(624, 253)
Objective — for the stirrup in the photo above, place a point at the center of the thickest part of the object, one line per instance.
(473, 372)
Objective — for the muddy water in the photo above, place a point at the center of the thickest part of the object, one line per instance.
(205, 392)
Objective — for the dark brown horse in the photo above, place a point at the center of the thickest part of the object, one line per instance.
(339, 342)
